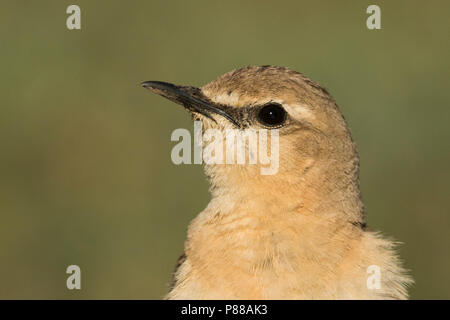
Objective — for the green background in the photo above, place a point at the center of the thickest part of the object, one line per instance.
(85, 170)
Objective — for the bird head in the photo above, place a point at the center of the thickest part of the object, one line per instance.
(317, 158)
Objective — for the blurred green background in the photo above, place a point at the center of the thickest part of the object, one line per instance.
(85, 170)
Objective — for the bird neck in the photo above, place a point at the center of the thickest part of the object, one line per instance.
(286, 218)
(256, 239)
(320, 188)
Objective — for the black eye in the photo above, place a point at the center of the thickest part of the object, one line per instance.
(272, 115)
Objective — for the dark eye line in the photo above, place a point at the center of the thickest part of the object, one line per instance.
(247, 115)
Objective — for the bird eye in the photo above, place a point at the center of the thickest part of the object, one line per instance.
(272, 115)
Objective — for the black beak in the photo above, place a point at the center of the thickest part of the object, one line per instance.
(189, 97)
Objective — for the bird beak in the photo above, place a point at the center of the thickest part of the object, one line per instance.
(189, 97)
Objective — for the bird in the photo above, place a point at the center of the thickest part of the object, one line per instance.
(298, 234)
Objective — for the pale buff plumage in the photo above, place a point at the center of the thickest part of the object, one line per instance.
(298, 234)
